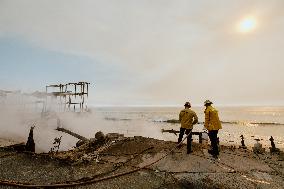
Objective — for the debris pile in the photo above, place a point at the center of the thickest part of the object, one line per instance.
(112, 160)
(86, 149)
(138, 162)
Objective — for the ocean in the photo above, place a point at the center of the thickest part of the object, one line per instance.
(251, 122)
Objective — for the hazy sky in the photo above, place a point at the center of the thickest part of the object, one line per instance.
(146, 52)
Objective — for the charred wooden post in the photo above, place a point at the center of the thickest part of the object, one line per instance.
(99, 139)
(273, 148)
(72, 134)
(243, 143)
(272, 142)
(30, 145)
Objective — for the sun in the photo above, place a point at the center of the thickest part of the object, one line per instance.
(247, 25)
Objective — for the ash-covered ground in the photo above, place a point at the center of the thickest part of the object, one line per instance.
(132, 162)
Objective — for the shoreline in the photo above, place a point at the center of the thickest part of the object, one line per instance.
(8, 141)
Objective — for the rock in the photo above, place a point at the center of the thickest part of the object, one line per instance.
(258, 147)
(100, 136)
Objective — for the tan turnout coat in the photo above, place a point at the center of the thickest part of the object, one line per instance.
(187, 118)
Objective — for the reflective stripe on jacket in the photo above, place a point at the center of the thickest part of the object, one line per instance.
(187, 118)
(212, 121)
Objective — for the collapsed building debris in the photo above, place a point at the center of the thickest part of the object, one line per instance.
(87, 149)
(82, 140)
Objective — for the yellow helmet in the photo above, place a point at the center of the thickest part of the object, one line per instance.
(207, 102)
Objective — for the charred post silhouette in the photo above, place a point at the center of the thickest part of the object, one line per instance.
(30, 145)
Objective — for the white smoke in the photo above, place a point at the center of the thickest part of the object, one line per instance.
(19, 112)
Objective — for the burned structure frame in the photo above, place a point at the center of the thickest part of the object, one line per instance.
(71, 96)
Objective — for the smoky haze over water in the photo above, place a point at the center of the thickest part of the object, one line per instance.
(19, 113)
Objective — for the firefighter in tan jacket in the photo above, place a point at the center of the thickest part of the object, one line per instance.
(187, 118)
(212, 124)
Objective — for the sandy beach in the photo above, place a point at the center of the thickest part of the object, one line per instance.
(139, 162)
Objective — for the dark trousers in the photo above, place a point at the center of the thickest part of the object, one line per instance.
(214, 141)
(189, 138)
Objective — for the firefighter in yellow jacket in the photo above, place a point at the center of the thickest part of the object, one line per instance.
(187, 118)
(212, 124)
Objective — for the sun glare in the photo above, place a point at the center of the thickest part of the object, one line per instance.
(247, 25)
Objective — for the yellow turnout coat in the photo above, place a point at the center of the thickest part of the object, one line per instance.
(212, 121)
(187, 118)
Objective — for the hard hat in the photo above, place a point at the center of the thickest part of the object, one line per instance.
(208, 102)
(187, 104)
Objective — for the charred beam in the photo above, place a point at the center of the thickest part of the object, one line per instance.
(72, 133)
